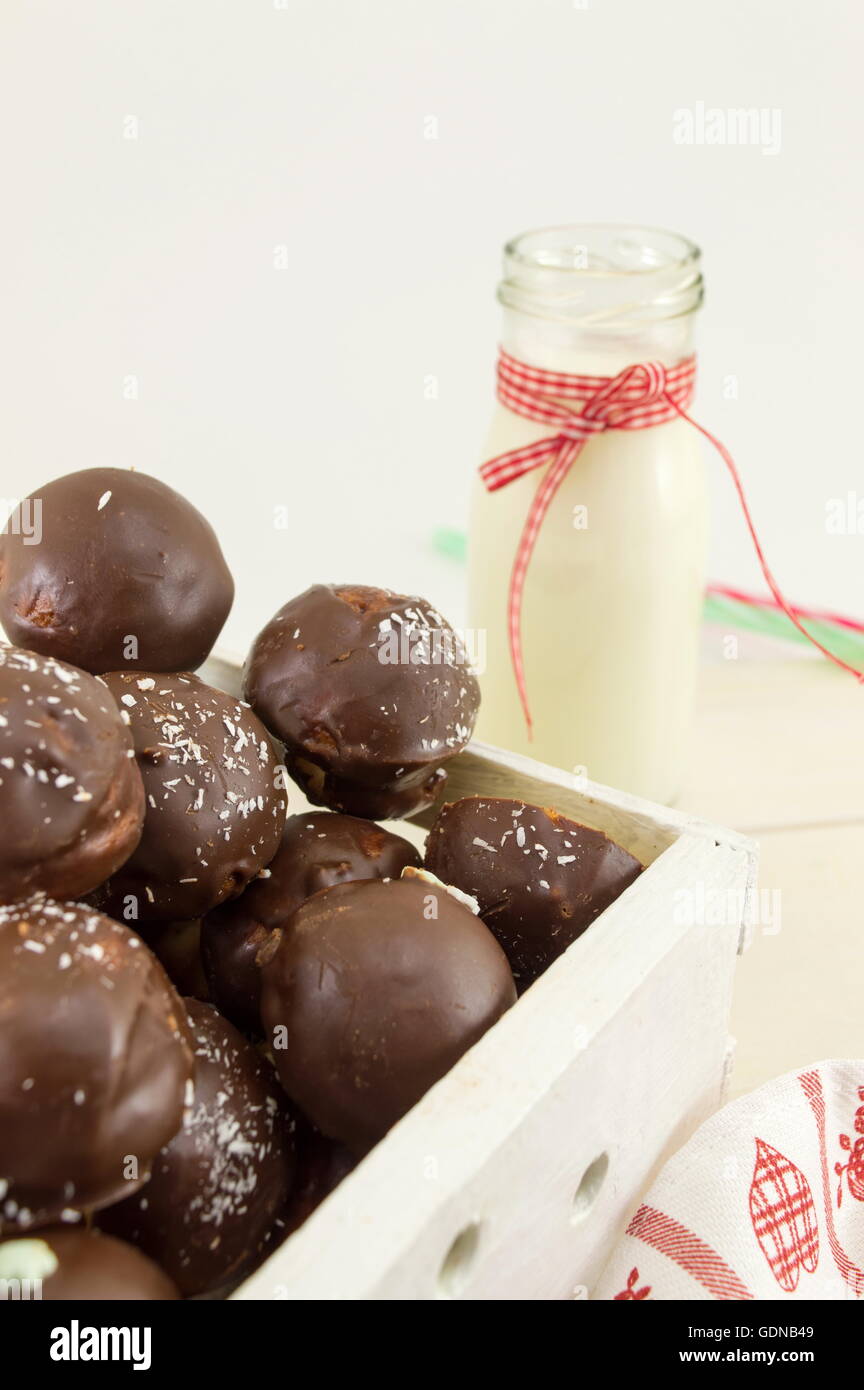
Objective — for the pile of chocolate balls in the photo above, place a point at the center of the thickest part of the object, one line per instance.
(211, 1009)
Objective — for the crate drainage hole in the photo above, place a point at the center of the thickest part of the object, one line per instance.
(589, 1188)
(458, 1264)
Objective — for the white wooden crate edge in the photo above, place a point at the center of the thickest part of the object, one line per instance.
(514, 1175)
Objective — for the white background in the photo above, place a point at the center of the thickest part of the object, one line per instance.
(295, 134)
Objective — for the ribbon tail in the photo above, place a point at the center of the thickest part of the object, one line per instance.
(549, 485)
(816, 615)
(776, 591)
(506, 468)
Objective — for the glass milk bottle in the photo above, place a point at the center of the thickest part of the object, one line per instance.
(613, 591)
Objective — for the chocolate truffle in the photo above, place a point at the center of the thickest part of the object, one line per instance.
(95, 1061)
(372, 993)
(126, 574)
(178, 946)
(71, 799)
(217, 1186)
(370, 692)
(318, 849)
(214, 812)
(539, 879)
(78, 1265)
(322, 1164)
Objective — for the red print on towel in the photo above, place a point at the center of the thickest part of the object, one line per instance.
(784, 1216)
(854, 1165)
(631, 1291)
(691, 1253)
(811, 1084)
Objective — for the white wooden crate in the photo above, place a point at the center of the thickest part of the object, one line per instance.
(515, 1174)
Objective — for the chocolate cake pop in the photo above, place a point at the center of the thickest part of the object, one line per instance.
(216, 1188)
(71, 799)
(540, 879)
(79, 1265)
(95, 1061)
(214, 812)
(126, 574)
(369, 997)
(318, 849)
(371, 693)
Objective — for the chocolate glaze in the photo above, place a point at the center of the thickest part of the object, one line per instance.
(371, 994)
(121, 556)
(318, 849)
(214, 815)
(539, 879)
(229, 957)
(178, 947)
(322, 1164)
(71, 799)
(95, 1061)
(363, 734)
(79, 1265)
(216, 1188)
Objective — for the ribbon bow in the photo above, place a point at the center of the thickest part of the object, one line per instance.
(642, 395)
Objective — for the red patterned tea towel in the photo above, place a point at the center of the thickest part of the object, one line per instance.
(766, 1201)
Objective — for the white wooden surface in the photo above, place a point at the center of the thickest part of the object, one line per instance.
(603, 1068)
(779, 753)
(778, 744)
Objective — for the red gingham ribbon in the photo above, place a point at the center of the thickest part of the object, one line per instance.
(642, 395)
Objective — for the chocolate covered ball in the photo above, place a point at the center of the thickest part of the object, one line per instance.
(82, 1266)
(371, 994)
(318, 849)
(539, 879)
(71, 798)
(178, 946)
(229, 959)
(112, 570)
(322, 1164)
(217, 1187)
(371, 693)
(215, 809)
(95, 1061)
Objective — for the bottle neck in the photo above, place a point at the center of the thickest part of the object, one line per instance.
(597, 298)
(579, 348)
